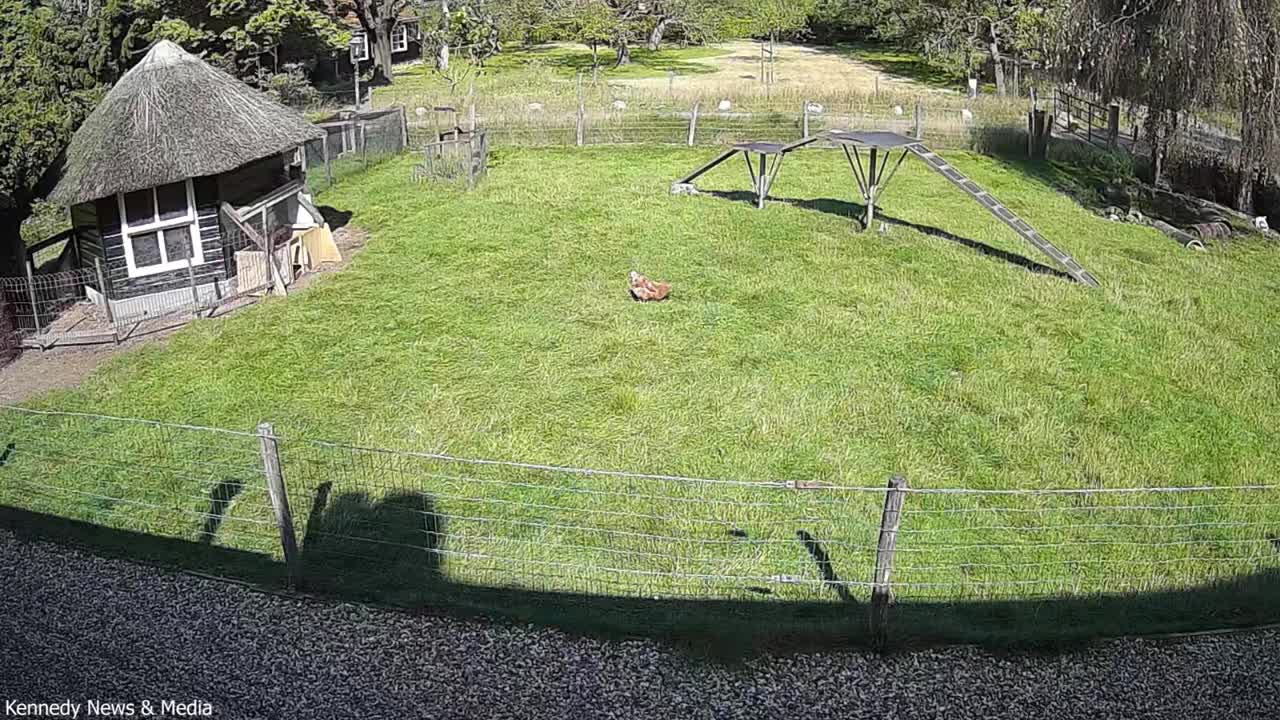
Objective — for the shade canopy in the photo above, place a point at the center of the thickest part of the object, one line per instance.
(172, 117)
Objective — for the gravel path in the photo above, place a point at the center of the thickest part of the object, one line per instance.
(77, 627)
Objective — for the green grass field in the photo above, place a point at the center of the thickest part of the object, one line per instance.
(496, 324)
(544, 69)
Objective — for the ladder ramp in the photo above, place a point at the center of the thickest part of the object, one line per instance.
(1004, 214)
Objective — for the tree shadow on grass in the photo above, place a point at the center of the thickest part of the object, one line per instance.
(854, 211)
(728, 630)
(371, 548)
(574, 60)
(895, 61)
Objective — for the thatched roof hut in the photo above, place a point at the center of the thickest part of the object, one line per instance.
(178, 173)
(173, 117)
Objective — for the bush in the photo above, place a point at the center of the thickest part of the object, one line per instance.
(291, 86)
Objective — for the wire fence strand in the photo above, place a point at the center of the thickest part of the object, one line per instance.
(384, 515)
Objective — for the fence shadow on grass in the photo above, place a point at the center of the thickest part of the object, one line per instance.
(853, 212)
(718, 629)
(220, 498)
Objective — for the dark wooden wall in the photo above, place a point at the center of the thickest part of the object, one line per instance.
(117, 269)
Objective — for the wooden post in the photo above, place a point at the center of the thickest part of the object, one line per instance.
(364, 144)
(582, 114)
(1113, 124)
(804, 122)
(881, 592)
(279, 499)
(404, 128)
(105, 291)
(191, 280)
(693, 123)
(1041, 131)
(35, 306)
(919, 119)
(328, 167)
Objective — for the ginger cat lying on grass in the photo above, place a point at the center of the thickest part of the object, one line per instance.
(646, 290)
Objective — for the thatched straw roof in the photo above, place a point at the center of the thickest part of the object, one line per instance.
(169, 118)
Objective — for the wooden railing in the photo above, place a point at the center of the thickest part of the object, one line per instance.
(1097, 123)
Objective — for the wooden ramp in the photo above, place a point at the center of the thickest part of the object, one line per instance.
(875, 176)
(1007, 216)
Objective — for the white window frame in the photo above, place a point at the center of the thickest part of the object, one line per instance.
(400, 38)
(191, 220)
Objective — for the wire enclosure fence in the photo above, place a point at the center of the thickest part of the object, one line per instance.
(353, 143)
(416, 519)
(84, 305)
(460, 156)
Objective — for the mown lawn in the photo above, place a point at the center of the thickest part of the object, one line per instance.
(544, 68)
(496, 324)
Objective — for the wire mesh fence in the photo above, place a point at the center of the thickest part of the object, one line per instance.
(353, 143)
(89, 304)
(416, 518)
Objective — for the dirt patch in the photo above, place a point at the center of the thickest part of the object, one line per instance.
(35, 372)
(798, 66)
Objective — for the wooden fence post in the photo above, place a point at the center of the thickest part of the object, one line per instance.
(919, 119)
(881, 592)
(328, 166)
(195, 292)
(35, 305)
(582, 115)
(1113, 124)
(693, 123)
(105, 291)
(279, 499)
(404, 128)
(804, 122)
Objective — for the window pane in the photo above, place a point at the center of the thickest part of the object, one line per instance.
(172, 200)
(177, 243)
(146, 250)
(281, 215)
(139, 207)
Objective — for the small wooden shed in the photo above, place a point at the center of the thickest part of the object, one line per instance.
(153, 170)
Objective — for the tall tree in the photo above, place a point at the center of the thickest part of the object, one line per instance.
(965, 33)
(695, 20)
(1173, 57)
(378, 18)
(49, 82)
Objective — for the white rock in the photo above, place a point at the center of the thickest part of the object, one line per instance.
(816, 108)
(619, 105)
(1260, 223)
(535, 107)
(725, 106)
(966, 115)
(897, 110)
(420, 111)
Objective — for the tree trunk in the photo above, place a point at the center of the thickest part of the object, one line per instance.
(13, 251)
(442, 60)
(998, 62)
(655, 35)
(382, 50)
(1158, 136)
(1244, 192)
(624, 53)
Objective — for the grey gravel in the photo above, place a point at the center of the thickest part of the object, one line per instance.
(79, 627)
